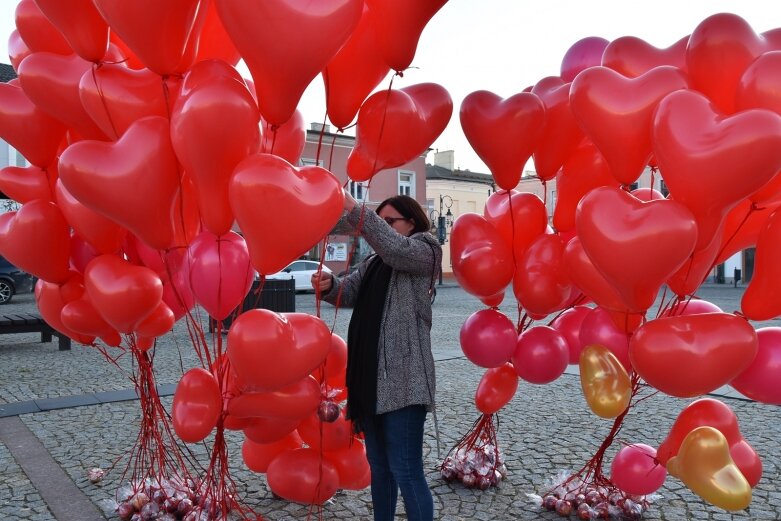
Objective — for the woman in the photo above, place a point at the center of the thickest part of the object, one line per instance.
(390, 368)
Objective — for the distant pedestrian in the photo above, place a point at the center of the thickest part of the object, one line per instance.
(390, 367)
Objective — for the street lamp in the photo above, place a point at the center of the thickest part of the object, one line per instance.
(441, 221)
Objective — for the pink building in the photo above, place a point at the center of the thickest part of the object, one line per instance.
(330, 150)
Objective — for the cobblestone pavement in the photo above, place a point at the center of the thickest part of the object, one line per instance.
(544, 430)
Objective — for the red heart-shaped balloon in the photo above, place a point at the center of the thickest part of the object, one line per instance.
(760, 301)
(197, 405)
(25, 184)
(287, 140)
(352, 74)
(398, 26)
(482, 260)
(115, 96)
(52, 82)
(27, 128)
(616, 112)
(561, 134)
(664, 351)
(36, 239)
(719, 51)
(37, 31)
(17, 49)
(156, 32)
(589, 279)
(635, 245)
(584, 170)
(102, 233)
(269, 351)
(396, 126)
(694, 142)
(758, 87)
(51, 298)
(503, 132)
(519, 217)
(283, 210)
(633, 57)
(81, 25)
(214, 125)
(133, 181)
(286, 43)
(214, 43)
(123, 294)
(81, 316)
(292, 402)
(541, 282)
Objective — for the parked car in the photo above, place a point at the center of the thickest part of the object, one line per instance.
(13, 281)
(301, 271)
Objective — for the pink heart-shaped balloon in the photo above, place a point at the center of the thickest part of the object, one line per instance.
(81, 25)
(52, 82)
(719, 345)
(115, 96)
(396, 126)
(633, 57)
(214, 125)
(27, 128)
(616, 112)
(220, 272)
(561, 134)
(133, 181)
(636, 246)
(719, 51)
(25, 184)
(36, 239)
(693, 142)
(286, 43)
(123, 294)
(503, 132)
(283, 210)
(156, 32)
(270, 351)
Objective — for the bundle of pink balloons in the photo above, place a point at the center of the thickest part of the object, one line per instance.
(705, 116)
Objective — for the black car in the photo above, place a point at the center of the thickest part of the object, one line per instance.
(13, 280)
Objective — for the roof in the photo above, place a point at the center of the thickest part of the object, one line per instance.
(438, 172)
(7, 73)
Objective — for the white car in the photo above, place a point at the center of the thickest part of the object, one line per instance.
(301, 271)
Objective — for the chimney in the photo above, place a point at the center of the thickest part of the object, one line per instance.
(445, 159)
(319, 127)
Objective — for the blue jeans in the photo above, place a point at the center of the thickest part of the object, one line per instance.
(394, 448)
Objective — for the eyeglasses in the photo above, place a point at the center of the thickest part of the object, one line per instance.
(391, 220)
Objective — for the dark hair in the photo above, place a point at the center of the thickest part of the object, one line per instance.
(410, 209)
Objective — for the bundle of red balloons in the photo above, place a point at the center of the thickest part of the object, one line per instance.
(705, 116)
(147, 148)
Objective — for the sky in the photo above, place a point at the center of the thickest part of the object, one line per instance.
(505, 46)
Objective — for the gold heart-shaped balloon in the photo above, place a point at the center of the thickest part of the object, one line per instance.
(705, 466)
(605, 383)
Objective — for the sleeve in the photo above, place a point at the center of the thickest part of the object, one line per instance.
(419, 254)
(349, 286)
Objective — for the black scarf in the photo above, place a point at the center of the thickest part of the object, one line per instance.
(363, 338)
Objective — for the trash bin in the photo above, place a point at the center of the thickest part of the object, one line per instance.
(277, 295)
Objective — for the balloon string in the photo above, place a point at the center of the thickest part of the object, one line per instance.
(103, 102)
(320, 139)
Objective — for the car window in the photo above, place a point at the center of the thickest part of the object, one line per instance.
(297, 266)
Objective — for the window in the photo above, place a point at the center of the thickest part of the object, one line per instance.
(305, 161)
(407, 183)
(359, 191)
(663, 188)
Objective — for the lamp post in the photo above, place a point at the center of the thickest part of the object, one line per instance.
(440, 221)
